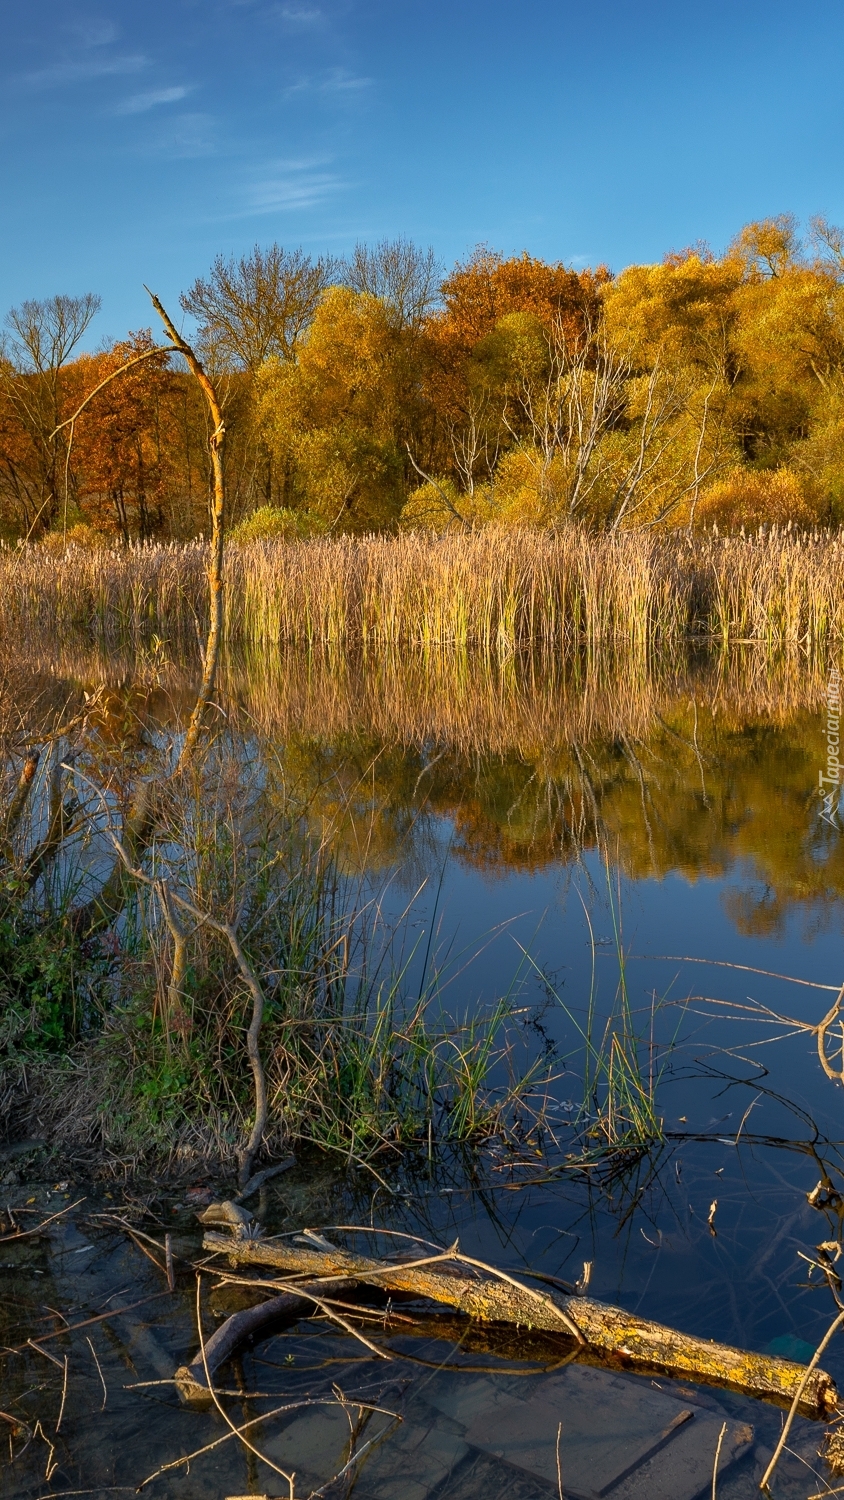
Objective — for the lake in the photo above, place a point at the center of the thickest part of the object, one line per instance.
(644, 856)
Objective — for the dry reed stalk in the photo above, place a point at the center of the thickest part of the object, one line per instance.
(496, 592)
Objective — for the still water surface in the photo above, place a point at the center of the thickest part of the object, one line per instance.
(523, 831)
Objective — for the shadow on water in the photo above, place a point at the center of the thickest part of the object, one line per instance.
(612, 828)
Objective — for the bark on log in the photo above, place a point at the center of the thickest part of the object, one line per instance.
(637, 1343)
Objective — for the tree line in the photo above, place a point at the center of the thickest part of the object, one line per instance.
(380, 392)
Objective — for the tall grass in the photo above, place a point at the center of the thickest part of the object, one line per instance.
(622, 1068)
(493, 592)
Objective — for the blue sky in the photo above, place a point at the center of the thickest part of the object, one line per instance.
(138, 140)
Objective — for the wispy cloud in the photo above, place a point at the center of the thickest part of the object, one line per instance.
(83, 69)
(332, 81)
(93, 32)
(88, 53)
(287, 185)
(139, 104)
(340, 81)
(300, 15)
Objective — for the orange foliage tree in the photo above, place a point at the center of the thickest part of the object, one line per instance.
(126, 445)
(465, 383)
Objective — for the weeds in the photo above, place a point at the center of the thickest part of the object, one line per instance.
(618, 1114)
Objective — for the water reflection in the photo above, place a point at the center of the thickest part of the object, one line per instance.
(698, 780)
(697, 768)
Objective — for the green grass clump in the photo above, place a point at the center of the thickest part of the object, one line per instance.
(134, 1046)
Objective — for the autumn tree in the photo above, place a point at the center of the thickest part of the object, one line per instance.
(335, 415)
(257, 307)
(755, 341)
(402, 275)
(374, 393)
(251, 310)
(126, 448)
(767, 247)
(36, 348)
(494, 312)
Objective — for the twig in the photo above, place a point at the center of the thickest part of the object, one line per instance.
(99, 1372)
(136, 360)
(559, 1465)
(717, 1458)
(222, 1344)
(213, 1394)
(266, 1416)
(107, 1489)
(64, 1397)
(833, 1328)
(215, 561)
(260, 1178)
(357, 1455)
(144, 1251)
(178, 967)
(228, 931)
(74, 1327)
(22, 1234)
(449, 504)
(328, 1308)
(37, 1431)
(168, 1258)
(45, 1352)
(723, 963)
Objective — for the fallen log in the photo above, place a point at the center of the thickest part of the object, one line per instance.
(636, 1343)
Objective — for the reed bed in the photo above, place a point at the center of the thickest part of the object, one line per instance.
(493, 592)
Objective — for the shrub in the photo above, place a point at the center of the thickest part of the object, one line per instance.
(751, 498)
(268, 523)
(426, 509)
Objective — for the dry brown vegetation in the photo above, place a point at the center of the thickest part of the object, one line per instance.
(493, 591)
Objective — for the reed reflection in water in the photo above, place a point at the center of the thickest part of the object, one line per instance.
(696, 764)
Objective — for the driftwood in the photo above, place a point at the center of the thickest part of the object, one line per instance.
(634, 1342)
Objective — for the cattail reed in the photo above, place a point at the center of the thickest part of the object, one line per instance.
(493, 592)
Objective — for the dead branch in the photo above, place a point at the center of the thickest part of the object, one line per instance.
(256, 1182)
(59, 1333)
(447, 502)
(14, 812)
(178, 968)
(808, 1371)
(288, 1306)
(823, 1026)
(218, 516)
(638, 1343)
(214, 1397)
(22, 1234)
(169, 896)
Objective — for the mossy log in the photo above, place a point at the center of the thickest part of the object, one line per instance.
(635, 1342)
